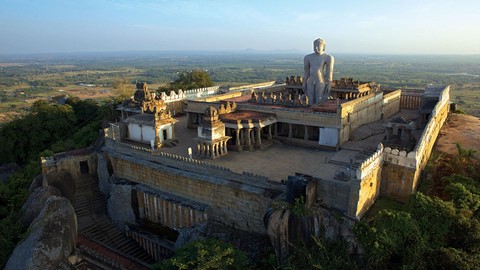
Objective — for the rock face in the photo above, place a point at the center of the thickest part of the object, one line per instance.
(104, 177)
(284, 229)
(35, 203)
(51, 240)
(119, 204)
(36, 183)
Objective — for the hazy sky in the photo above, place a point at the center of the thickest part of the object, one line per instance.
(384, 27)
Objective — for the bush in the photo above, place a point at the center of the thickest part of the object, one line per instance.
(206, 254)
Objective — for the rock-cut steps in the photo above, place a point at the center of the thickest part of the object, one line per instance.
(91, 208)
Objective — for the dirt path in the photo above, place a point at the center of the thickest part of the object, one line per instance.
(464, 129)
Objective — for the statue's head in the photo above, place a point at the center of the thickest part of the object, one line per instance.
(319, 46)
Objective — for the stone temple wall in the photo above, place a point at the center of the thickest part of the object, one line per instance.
(232, 203)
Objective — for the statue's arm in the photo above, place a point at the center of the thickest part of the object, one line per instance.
(329, 71)
(306, 71)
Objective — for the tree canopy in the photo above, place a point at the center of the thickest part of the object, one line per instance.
(190, 80)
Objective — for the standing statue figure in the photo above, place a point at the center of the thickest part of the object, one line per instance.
(318, 75)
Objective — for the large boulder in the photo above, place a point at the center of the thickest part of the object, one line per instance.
(51, 240)
(120, 204)
(35, 203)
(36, 183)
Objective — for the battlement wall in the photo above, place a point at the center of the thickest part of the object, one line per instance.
(401, 170)
(365, 188)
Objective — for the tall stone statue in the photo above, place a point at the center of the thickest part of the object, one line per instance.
(318, 75)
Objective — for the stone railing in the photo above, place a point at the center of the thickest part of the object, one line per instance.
(172, 96)
(370, 164)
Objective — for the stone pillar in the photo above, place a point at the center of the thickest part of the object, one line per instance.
(237, 137)
(259, 136)
(216, 152)
(270, 132)
(275, 129)
(305, 137)
(247, 136)
(289, 130)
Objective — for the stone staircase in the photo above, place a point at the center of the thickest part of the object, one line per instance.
(93, 223)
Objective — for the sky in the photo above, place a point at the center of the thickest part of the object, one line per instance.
(364, 27)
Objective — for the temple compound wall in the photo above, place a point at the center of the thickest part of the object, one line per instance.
(179, 192)
(401, 170)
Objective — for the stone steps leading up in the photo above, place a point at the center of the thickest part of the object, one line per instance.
(91, 209)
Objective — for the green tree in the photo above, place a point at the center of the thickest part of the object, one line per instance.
(393, 240)
(206, 254)
(123, 89)
(191, 80)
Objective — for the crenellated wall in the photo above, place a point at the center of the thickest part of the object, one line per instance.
(401, 171)
(366, 185)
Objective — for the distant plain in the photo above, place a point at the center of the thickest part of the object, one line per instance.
(26, 78)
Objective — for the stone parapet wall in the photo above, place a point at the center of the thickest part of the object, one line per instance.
(359, 112)
(391, 103)
(429, 136)
(194, 165)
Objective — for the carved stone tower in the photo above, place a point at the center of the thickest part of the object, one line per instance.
(211, 140)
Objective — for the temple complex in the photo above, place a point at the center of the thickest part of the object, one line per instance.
(238, 158)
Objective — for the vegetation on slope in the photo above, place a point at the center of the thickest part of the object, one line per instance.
(48, 128)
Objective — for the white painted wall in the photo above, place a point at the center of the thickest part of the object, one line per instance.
(134, 132)
(328, 136)
(148, 134)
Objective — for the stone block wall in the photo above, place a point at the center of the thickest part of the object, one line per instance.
(232, 203)
(358, 112)
(401, 170)
(391, 103)
(365, 187)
